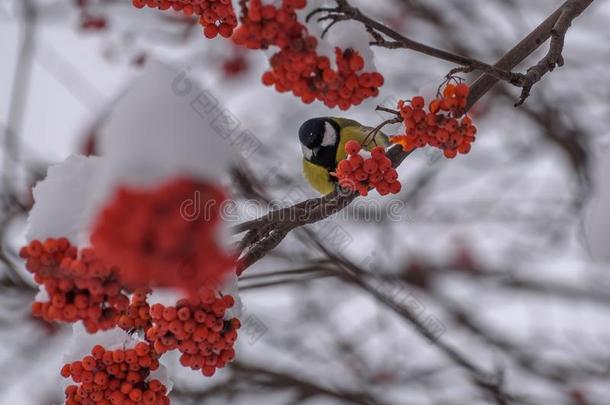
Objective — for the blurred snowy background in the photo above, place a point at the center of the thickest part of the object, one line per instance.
(488, 249)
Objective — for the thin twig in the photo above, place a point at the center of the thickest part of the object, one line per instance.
(523, 49)
(554, 57)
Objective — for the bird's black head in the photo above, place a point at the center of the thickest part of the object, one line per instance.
(312, 131)
(320, 138)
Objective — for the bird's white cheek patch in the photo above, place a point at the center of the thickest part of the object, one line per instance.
(330, 135)
(308, 153)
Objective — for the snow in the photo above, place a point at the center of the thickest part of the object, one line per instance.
(61, 199)
(164, 103)
(42, 295)
(165, 296)
(82, 342)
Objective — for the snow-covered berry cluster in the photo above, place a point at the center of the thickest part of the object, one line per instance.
(363, 171)
(216, 16)
(164, 237)
(198, 329)
(444, 125)
(111, 235)
(79, 286)
(117, 377)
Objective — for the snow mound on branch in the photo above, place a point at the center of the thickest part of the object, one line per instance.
(61, 199)
(163, 127)
(597, 213)
(236, 9)
(82, 342)
(42, 295)
(352, 34)
(165, 296)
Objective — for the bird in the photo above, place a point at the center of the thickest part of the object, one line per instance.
(323, 142)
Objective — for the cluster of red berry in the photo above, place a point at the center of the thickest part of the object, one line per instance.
(137, 315)
(361, 173)
(117, 377)
(443, 126)
(164, 237)
(216, 16)
(79, 288)
(297, 67)
(198, 329)
(311, 77)
(263, 26)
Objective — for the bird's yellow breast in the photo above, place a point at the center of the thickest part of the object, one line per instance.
(318, 177)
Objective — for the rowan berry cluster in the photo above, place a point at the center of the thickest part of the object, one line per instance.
(216, 16)
(311, 77)
(167, 236)
(362, 171)
(117, 377)
(443, 125)
(263, 26)
(79, 286)
(198, 329)
(137, 315)
(297, 67)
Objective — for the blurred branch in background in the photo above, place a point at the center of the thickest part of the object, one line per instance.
(18, 98)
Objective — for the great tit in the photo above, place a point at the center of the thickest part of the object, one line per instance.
(323, 143)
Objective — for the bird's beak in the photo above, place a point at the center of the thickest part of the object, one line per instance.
(314, 151)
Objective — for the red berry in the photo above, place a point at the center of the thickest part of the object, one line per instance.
(395, 187)
(418, 102)
(352, 147)
(378, 153)
(462, 90)
(370, 166)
